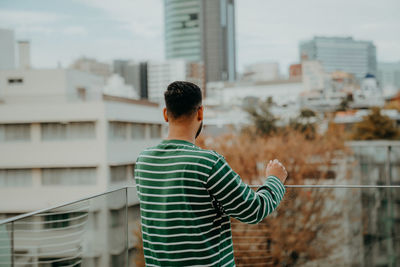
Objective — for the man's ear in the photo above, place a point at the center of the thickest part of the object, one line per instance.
(165, 114)
(200, 113)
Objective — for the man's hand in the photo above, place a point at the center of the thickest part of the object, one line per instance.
(276, 168)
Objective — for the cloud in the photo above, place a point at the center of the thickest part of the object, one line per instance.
(273, 30)
(28, 23)
(75, 30)
(12, 16)
(266, 30)
(143, 18)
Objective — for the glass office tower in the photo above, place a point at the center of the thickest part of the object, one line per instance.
(202, 30)
(341, 53)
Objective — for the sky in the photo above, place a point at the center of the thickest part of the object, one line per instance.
(266, 30)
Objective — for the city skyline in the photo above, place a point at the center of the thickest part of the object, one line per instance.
(135, 30)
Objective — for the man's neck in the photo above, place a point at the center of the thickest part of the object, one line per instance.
(180, 133)
(184, 138)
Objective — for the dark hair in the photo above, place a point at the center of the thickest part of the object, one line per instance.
(182, 99)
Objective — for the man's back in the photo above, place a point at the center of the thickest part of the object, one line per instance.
(186, 197)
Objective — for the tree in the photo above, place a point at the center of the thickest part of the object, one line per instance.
(305, 123)
(297, 232)
(393, 105)
(375, 126)
(261, 116)
(345, 103)
(138, 259)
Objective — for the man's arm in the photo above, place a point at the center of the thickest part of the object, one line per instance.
(238, 200)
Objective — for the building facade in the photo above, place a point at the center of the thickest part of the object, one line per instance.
(62, 139)
(202, 31)
(134, 74)
(92, 66)
(7, 49)
(295, 71)
(161, 73)
(389, 75)
(63, 132)
(341, 54)
(24, 55)
(261, 72)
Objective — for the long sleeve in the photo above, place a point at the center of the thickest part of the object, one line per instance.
(237, 199)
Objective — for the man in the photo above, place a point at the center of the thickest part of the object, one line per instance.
(187, 194)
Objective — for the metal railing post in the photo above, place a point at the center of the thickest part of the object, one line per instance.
(389, 217)
(126, 227)
(12, 245)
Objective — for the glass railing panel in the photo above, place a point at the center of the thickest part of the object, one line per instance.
(90, 232)
(325, 227)
(372, 163)
(395, 165)
(135, 248)
(6, 245)
(313, 226)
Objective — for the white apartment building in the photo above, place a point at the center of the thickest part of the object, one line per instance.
(57, 131)
(7, 49)
(264, 71)
(313, 75)
(92, 66)
(283, 92)
(161, 73)
(61, 139)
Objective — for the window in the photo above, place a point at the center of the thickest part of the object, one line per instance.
(81, 93)
(155, 131)
(133, 213)
(53, 131)
(15, 132)
(61, 220)
(118, 260)
(15, 177)
(117, 217)
(138, 131)
(119, 173)
(69, 176)
(118, 130)
(68, 131)
(15, 81)
(193, 16)
(81, 130)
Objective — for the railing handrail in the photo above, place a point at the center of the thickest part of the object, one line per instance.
(25, 215)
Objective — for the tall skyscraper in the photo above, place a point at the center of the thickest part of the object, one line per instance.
(161, 73)
(202, 30)
(341, 53)
(134, 74)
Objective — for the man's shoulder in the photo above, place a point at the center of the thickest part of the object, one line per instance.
(166, 148)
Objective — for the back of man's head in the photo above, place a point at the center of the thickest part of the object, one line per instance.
(182, 99)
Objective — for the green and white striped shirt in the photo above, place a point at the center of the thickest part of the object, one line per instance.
(187, 195)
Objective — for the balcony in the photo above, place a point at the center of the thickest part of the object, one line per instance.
(318, 225)
(349, 221)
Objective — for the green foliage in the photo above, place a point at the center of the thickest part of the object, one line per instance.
(261, 116)
(307, 113)
(264, 121)
(345, 103)
(375, 126)
(305, 123)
